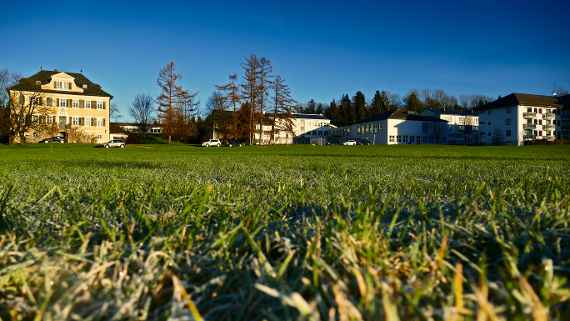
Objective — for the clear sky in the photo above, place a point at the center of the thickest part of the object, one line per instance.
(322, 48)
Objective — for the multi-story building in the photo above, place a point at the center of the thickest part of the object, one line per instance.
(398, 127)
(563, 121)
(71, 106)
(294, 129)
(519, 118)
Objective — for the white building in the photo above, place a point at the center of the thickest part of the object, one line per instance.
(461, 129)
(398, 127)
(518, 118)
(300, 128)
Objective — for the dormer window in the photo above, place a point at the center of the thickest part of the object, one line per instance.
(59, 84)
(84, 86)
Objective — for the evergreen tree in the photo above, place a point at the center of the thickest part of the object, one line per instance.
(359, 103)
(346, 111)
(380, 103)
(413, 102)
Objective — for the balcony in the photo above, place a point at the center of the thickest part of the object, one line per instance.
(529, 137)
(529, 126)
(529, 115)
(549, 116)
(548, 127)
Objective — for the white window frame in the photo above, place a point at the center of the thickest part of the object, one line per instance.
(75, 103)
(75, 120)
(62, 102)
(99, 104)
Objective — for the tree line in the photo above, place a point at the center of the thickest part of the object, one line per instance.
(348, 110)
(237, 110)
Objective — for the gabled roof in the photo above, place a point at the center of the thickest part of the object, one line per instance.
(44, 77)
(516, 99)
(401, 114)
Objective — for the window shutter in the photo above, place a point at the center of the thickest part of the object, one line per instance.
(81, 121)
(104, 105)
(70, 120)
(104, 122)
(81, 103)
(69, 103)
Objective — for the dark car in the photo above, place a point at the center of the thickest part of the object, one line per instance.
(233, 143)
(54, 140)
(362, 141)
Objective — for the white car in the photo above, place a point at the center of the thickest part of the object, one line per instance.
(212, 143)
(350, 142)
(115, 143)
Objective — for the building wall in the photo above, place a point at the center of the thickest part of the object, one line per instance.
(304, 125)
(461, 129)
(397, 131)
(516, 124)
(69, 115)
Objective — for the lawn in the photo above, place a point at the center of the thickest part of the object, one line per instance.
(178, 232)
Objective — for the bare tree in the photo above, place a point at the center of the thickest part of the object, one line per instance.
(231, 92)
(175, 104)
(283, 106)
(264, 88)
(115, 112)
(26, 113)
(142, 109)
(250, 89)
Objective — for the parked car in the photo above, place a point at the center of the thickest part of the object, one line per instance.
(212, 143)
(56, 140)
(234, 143)
(115, 143)
(350, 142)
(362, 141)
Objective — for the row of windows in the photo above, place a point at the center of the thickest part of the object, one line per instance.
(372, 128)
(76, 121)
(75, 103)
(537, 110)
(412, 139)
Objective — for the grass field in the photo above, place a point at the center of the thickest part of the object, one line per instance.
(284, 233)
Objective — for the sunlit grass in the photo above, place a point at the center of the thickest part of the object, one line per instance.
(284, 233)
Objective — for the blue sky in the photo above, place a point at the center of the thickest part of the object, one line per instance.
(322, 48)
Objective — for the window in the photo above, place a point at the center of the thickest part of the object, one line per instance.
(75, 121)
(62, 102)
(529, 110)
(87, 104)
(540, 111)
(69, 85)
(489, 123)
(391, 139)
(100, 105)
(540, 133)
(62, 121)
(548, 133)
(507, 121)
(93, 122)
(399, 138)
(101, 122)
(75, 103)
(508, 133)
(49, 101)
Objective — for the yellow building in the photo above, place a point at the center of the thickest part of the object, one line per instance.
(68, 105)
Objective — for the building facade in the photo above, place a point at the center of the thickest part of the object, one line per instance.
(299, 128)
(71, 106)
(563, 121)
(517, 119)
(398, 127)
